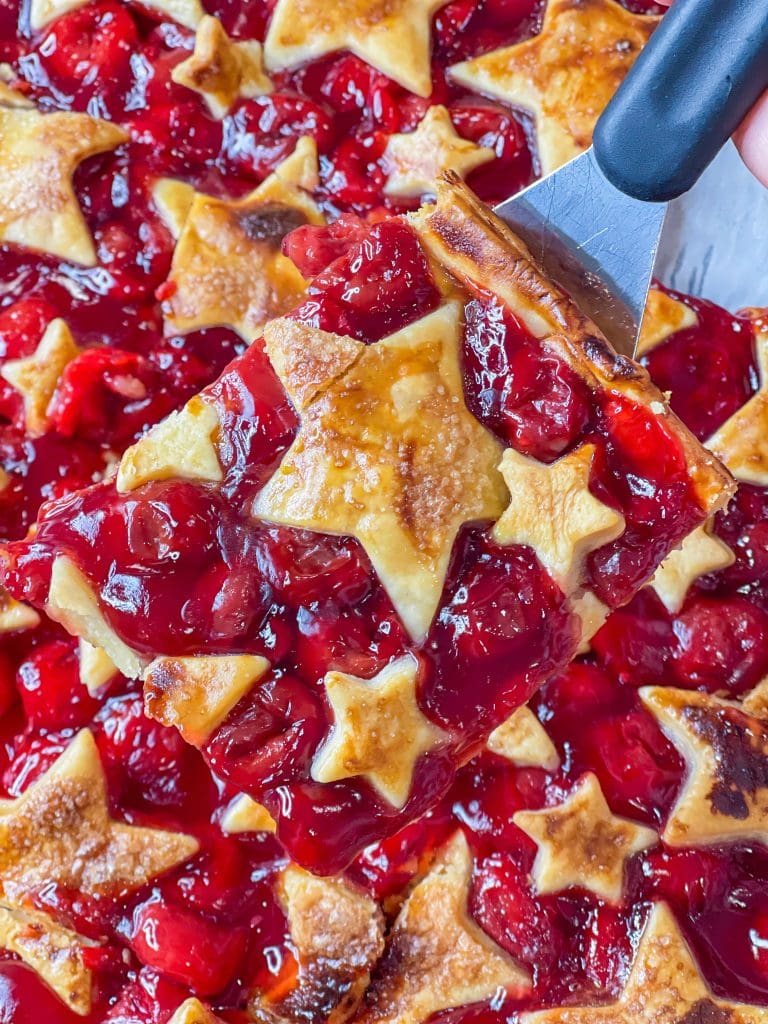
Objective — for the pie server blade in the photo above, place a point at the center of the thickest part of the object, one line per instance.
(595, 223)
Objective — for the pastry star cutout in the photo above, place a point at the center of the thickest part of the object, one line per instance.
(414, 160)
(185, 12)
(227, 267)
(73, 603)
(582, 843)
(724, 796)
(192, 1011)
(437, 957)
(701, 552)
(663, 317)
(742, 441)
(523, 741)
(55, 953)
(665, 986)
(39, 154)
(337, 934)
(37, 376)
(553, 511)
(386, 452)
(59, 831)
(379, 731)
(196, 694)
(564, 76)
(221, 70)
(393, 37)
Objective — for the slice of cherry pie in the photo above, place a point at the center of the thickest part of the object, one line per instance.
(607, 852)
(434, 469)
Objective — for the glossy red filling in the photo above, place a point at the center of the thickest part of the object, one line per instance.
(579, 949)
(182, 570)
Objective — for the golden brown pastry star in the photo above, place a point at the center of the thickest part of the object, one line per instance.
(522, 739)
(228, 268)
(553, 511)
(185, 12)
(665, 986)
(742, 441)
(222, 70)
(53, 952)
(386, 452)
(724, 796)
(582, 843)
(244, 814)
(196, 694)
(663, 317)
(379, 731)
(564, 76)
(192, 1011)
(414, 160)
(36, 377)
(701, 552)
(437, 957)
(394, 37)
(180, 447)
(59, 831)
(337, 934)
(39, 154)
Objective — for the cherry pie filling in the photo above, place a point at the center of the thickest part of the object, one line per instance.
(116, 60)
(183, 556)
(578, 947)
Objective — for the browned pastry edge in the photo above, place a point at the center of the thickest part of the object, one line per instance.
(477, 248)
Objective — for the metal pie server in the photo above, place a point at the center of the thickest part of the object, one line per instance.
(595, 223)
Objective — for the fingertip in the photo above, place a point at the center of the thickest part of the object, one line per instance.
(752, 140)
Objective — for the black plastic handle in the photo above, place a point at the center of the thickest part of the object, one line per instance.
(687, 93)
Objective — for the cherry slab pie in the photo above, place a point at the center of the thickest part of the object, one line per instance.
(360, 530)
(275, 444)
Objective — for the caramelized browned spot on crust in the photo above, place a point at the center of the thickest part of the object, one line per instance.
(338, 934)
(725, 793)
(437, 957)
(59, 831)
(228, 268)
(379, 730)
(478, 249)
(222, 70)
